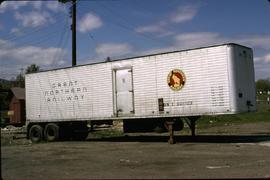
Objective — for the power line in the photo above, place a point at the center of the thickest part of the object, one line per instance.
(44, 38)
(172, 4)
(11, 37)
(63, 33)
(126, 25)
(38, 40)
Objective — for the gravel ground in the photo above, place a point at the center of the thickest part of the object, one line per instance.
(235, 151)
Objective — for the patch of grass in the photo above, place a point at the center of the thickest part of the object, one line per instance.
(107, 133)
(262, 97)
(12, 140)
(261, 115)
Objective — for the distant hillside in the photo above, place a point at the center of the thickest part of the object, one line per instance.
(6, 83)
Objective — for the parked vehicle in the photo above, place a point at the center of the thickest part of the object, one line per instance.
(167, 86)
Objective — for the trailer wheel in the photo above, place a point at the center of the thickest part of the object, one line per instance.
(51, 132)
(36, 133)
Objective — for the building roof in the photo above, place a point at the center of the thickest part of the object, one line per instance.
(18, 92)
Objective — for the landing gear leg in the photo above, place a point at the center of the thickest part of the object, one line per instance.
(169, 125)
(192, 127)
(191, 121)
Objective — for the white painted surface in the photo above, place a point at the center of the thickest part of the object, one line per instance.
(124, 92)
(215, 76)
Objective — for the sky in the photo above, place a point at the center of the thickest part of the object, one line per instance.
(38, 32)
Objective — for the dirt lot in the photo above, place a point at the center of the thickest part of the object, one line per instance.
(238, 151)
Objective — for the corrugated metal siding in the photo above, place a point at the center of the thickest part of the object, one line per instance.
(244, 80)
(145, 86)
(206, 82)
(207, 89)
(83, 92)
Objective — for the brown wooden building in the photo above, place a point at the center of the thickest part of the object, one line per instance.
(17, 106)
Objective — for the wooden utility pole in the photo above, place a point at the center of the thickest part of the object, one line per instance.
(73, 28)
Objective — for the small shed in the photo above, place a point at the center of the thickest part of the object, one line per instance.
(17, 106)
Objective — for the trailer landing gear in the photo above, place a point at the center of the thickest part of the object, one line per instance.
(191, 121)
(170, 124)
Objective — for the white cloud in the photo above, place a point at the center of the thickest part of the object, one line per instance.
(259, 41)
(201, 39)
(4, 44)
(113, 50)
(159, 28)
(150, 28)
(263, 59)
(34, 18)
(262, 66)
(37, 4)
(184, 13)
(55, 6)
(156, 51)
(12, 57)
(190, 40)
(197, 39)
(14, 5)
(32, 54)
(16, 31)
(89, 22)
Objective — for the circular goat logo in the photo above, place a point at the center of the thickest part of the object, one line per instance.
(176, 79)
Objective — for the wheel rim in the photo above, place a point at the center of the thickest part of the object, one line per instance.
(51, 132)
(36, 134)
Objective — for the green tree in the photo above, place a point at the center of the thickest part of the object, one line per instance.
(32, 69)
(263, 85)
(20, 81)
(4, 86)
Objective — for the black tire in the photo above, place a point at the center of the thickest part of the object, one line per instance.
(36, 133)
(51, 132)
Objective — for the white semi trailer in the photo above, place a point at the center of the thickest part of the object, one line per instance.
(167, 86)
